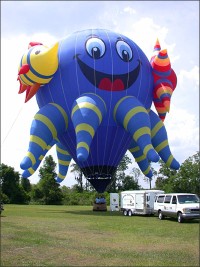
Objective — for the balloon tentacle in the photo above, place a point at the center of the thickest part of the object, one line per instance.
(27, 173)
(50, 121)
(64, 159)
(141, 160)
(160, 141)
(134, 118)
(87, 114)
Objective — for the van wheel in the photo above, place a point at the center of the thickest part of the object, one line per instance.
(160, 215)
(180, 217)
(129, 213)
(125, 212)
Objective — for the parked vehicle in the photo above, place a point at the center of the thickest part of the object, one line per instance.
(138, 201)
(179, 205)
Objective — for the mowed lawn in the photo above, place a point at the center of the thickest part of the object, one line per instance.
(36, 235)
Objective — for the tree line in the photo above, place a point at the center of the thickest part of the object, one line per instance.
(18, 190)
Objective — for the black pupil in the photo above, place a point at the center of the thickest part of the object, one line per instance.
(37, 52)
(96, 52)
(125, 55)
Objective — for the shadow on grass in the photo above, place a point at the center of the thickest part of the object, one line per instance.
(85, 212)
(184, 221)
(109, 213)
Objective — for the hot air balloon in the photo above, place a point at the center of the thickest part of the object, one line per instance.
(95, 106)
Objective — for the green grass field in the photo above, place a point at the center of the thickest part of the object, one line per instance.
(77, 236)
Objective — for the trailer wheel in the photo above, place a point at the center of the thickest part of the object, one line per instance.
(180, 217)
(125, 212)
(160, 215)
(129, 213)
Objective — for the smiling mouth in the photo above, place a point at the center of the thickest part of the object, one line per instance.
(106, 81)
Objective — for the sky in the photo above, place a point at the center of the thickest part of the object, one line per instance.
(174, 23)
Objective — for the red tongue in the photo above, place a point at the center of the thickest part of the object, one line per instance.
(106, 84)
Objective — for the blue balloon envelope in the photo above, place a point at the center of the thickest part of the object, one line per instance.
(95, 106)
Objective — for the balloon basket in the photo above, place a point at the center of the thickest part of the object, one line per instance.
(99, 207)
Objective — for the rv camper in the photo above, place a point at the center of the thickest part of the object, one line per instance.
(138, 201)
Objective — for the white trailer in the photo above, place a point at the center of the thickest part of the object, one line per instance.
(138, 201)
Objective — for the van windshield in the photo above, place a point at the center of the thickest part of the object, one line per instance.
(188, 199)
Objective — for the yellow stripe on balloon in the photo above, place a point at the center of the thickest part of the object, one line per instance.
(31, 170)
(117, 105)
(156, 128)
(161, 145)
(47, 122)
(48, 147)
(138, 159)
(132, 113)
(83, 144)
(89, 106)
(62, 151)
(62, 112)
(64, 162)
(39, 141)
(61, 176)
(169, 161)
(31, 157)
(41, 157)
(147, 148)
(99, 98)
(140, 132)
(134, 149)
(85, 127)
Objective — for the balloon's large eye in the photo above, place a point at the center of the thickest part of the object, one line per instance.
(95, 47)
(124, 51)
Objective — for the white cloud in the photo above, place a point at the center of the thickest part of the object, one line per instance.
(183, 132)
(192, 75)
(129, 10)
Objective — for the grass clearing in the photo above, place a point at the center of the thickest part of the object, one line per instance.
(36, 235)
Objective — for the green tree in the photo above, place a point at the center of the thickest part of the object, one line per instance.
(129, 183)
(78, 176)
(47, 186)
(36, 194)
(165, 176)
(149, 180)
(119, 175)
(12, 191)
(185, 180)
(188, 176)
(25, 183)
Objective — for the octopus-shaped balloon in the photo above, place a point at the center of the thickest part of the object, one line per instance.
(96, 104)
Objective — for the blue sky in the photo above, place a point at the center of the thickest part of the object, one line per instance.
(175, 23)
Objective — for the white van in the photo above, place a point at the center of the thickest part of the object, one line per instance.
(179, 205)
